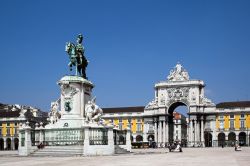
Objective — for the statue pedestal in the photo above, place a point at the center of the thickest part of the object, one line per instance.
(75, 93)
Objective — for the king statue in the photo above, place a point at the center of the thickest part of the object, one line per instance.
(76, 56)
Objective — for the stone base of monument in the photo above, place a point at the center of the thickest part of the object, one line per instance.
(70, 131)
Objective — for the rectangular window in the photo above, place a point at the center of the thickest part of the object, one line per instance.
(151, 127)
(242, 115)
(231, 116)
(120, 120)
(120, 126)
(221, 124)
(17, 131)
(221, 116)
(8, 131)
(232, 124)
(0, 131)
(177, 126)
(0, 124)
(8, 124)
(138, 127)
(207, 124)
(242, 123)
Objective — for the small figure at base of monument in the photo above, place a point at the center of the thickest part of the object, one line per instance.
(54, 113)
(93, 112)
(76, 56)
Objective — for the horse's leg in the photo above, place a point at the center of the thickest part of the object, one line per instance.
(70, 66)
(84, 72)
(79, 69)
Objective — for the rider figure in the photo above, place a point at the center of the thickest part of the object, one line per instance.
(79, 48)
(80, 54)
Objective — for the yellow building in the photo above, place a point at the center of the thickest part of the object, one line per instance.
(133, 118)
(10, 118)
(126, 118)
(233, 123)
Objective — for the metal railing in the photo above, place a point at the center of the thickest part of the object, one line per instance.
(98, 136)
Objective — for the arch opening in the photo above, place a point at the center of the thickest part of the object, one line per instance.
(231, 139)
(221, 139)
(242, 139)
(16, 141)
(208, 139)
(8, 143)
(177, 122)
(139, 138)
(1, 144)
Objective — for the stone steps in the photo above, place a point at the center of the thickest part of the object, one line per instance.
(59, 151)
(119, 150)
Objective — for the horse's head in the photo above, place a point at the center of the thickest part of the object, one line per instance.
(68, 47)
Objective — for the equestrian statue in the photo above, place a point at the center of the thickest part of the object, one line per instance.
(76, 56)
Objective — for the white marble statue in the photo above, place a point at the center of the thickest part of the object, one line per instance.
(93, 112)
(178, 74)
(54, 114)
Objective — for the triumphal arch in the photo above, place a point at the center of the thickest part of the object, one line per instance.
(179, 90)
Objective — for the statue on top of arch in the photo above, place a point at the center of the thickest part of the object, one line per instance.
(178, 74)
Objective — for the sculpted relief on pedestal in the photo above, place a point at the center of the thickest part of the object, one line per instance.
(68, 92)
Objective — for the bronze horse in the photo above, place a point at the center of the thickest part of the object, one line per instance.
(77, 59)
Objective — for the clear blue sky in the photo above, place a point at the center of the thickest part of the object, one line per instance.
(131, 45)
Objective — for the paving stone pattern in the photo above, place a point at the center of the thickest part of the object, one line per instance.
(140, 157)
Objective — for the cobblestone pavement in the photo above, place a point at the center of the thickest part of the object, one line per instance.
(147, 157)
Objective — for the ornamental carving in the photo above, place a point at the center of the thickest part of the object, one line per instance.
(206, 101)
(68, 91)
(178, 93)
(178, 74)
(152, 104)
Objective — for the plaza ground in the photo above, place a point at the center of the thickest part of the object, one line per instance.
(147, 157)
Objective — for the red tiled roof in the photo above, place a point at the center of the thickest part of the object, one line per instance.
(234, 104)
(123, 109)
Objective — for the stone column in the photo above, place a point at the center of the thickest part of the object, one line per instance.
(37, 135)
(4, 144)
(26, 149)
(86, 140)
(41, 133)
(191, 133)
(145, 129)
(134, 138)
(247, 139)
(202, 133)
(195, 132)
(226, 137)
(160, 134)
(155, 131)
(164, 133)
(12, 144)
(188, 133)
(167, 132)
(198, 131)
(111, 138)
(128, 141)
